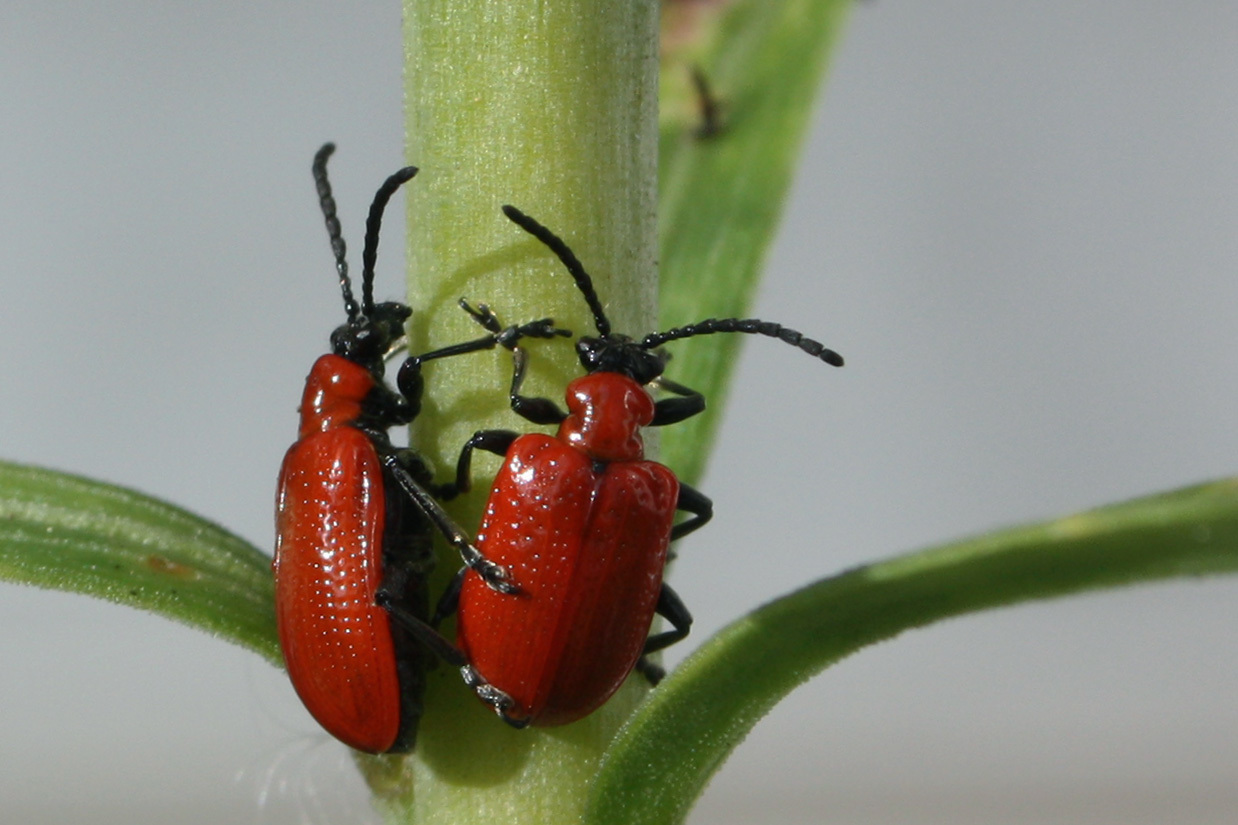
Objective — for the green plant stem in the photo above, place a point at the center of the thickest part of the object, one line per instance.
(551, 107)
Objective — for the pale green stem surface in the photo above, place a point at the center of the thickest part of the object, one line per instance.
(551, 107)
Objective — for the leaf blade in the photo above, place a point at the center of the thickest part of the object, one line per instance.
(705, 712)
(66, 532)
(720, 198)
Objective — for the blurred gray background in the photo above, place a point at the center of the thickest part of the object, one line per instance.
(1018, 221)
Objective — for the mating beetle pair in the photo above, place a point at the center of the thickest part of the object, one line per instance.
(559, 591)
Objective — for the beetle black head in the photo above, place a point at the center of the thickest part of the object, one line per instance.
(372, 330)
(643, 361)
(367, 339)
(609, 351)
(619, 353)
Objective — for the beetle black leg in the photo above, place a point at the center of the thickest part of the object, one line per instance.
(671, 608)
(409, 379)
(389, 407)
(509, 337)
(692, 500)
(450, 599)
(419, 473)
(492, 441)
(391, 596)
(534, 410)
(653, 673)
(421, 631)
(492, 696)
(494, 575)
(673, 410)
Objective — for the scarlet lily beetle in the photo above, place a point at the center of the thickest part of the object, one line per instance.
(355, 515)
(583, 522)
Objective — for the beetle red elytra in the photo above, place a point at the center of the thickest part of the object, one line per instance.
(583, 522)
(355, 515)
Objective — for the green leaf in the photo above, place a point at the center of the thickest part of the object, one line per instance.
(721, 196)
(70, 533)
(662, 759)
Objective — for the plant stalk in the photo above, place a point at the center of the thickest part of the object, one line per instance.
(551, 107)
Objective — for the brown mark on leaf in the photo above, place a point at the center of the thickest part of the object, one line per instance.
(176, 570)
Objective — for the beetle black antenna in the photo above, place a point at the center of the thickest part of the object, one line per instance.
(369, 254)
(583, 282)
(751, 326)
(327, 201)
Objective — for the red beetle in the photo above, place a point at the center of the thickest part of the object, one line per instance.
(582, 521)
(355, 516)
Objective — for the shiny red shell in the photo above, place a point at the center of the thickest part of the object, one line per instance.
(582, 523)
(330, 514)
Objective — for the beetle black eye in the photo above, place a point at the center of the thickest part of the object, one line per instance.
(589, 351)
(643, 365)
